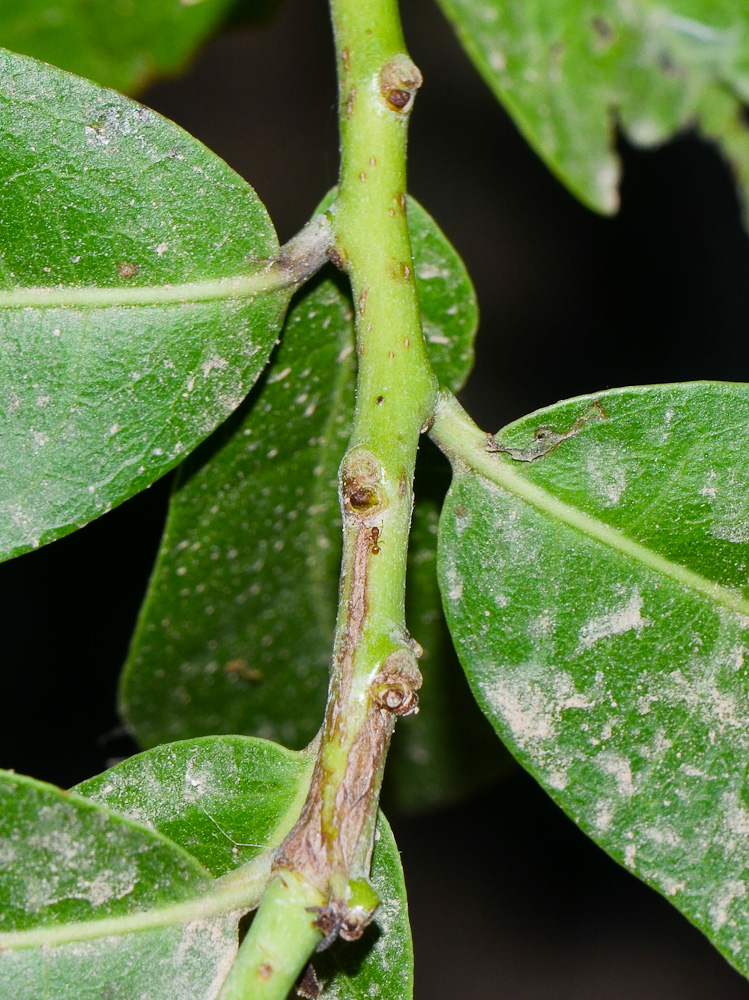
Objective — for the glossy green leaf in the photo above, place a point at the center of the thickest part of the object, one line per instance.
(599, 603)
(103, 894)
(568, 72)
(93, 905)
(121, 45)
(236, 632)
(131, 322)
(225, 798)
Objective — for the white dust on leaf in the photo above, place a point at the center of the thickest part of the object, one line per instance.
(530, 699)
(718, 910)
(625, 619)
(607, 479)
(620, 770)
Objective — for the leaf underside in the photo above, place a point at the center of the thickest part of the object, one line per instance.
(147, 835)
(120, 45)
(568, 72)
(599, 603)
(101, 197)
(237, 628)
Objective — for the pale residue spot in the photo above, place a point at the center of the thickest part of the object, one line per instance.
(620, 770)
(278, 377)
(557, 780)
(718, 910)
(606, 181)
(454, 584)
(427, 272)
(604, 815)
(629, 855)
(663, 835)
(542, 627)
(728, 507)
(626, 619)
(645, 131)
(214, 362)
(532, 698)
(736, 531)
(608, 479)
(497, 60)
(670, 886)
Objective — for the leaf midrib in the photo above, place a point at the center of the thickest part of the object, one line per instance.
(466, 446)
(240, 286)
(230, 895)
(499, 472)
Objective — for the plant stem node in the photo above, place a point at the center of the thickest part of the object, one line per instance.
(399, 81)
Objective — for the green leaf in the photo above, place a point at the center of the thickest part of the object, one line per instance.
(567, 72)
(91, 903)
(130, 319)
(100, 903)
(121, 45)
(599, 603)
(198, 793)
(236, 631)
(449, 749)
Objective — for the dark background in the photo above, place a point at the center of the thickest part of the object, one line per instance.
(508, 899)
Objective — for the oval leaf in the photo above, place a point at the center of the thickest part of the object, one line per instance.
(567, 71)
(89, 899)
(599, 603)
(237, 628)
(226, 798)
(121, 45)
(130, 319)
(97, 903)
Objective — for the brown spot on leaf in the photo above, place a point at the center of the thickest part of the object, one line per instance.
(127, 269)
(239, 668)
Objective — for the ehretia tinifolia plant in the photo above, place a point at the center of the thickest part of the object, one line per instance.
(591, 557)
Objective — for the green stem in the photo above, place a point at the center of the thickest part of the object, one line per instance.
(282, 938)
(374, 674)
